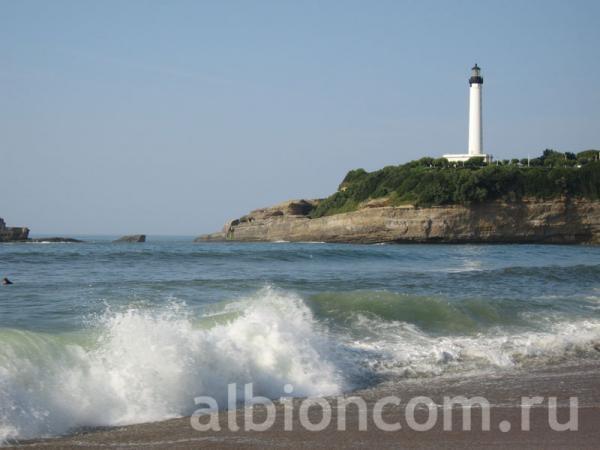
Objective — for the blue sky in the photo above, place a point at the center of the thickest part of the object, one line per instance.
(170, 117)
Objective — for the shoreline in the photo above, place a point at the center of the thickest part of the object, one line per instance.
(502, 389)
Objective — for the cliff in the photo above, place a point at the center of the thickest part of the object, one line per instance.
(9, 234)
(559, 221)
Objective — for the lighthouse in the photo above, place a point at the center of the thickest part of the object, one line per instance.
(475, 143)
(475, 123)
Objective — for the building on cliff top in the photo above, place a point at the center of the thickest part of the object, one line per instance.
(475, 123)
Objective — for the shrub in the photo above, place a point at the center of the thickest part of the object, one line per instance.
(435, 182)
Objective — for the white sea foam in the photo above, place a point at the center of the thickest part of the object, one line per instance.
(397, 348)
(148, 365)
(140, 364)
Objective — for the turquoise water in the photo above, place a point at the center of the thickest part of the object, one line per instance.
(106, 334)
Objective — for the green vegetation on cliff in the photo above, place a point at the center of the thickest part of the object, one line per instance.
(430, 181)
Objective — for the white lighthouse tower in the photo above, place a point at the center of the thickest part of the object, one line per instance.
(475, 124)
(475, 148)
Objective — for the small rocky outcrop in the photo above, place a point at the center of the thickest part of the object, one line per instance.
(132, 238)
(558, 221)
(55, 240)
(12, 234)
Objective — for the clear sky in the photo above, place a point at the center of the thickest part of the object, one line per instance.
(169, 117)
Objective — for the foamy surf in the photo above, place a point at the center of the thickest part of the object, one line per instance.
(142, 364)
(148, 365)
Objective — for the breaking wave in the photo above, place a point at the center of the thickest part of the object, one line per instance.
(145, 365)
(141, 364)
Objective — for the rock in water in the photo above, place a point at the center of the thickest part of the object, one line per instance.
(55, 239)
(132, 238)
(11, 234)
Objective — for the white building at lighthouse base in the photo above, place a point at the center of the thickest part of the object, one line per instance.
(458, 157)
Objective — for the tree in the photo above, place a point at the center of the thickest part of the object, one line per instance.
(536, 162)
(352, 177)
(552, 158)
(570, 156)
(587, 156)
(425, 162)
(475, 162)
(441, 163)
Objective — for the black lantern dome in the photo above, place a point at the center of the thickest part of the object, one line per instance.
(476, 77)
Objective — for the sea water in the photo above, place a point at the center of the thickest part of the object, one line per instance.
(101, 334)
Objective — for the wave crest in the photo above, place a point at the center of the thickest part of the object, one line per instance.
(148, 365)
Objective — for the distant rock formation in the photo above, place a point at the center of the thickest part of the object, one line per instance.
(559, 221)
(11, 234)
(55, 240)
(132, 238)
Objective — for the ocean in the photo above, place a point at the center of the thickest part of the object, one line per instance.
(104, 334)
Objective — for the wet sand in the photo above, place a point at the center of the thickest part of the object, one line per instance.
(502, 390)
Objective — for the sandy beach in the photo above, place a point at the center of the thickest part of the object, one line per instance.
(502, 390)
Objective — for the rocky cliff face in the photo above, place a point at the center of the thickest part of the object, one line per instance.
(8, 234)
(562, 221)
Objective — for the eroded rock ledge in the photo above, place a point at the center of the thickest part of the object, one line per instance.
(560, 221)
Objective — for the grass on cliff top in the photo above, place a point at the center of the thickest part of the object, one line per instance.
(429, 181)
